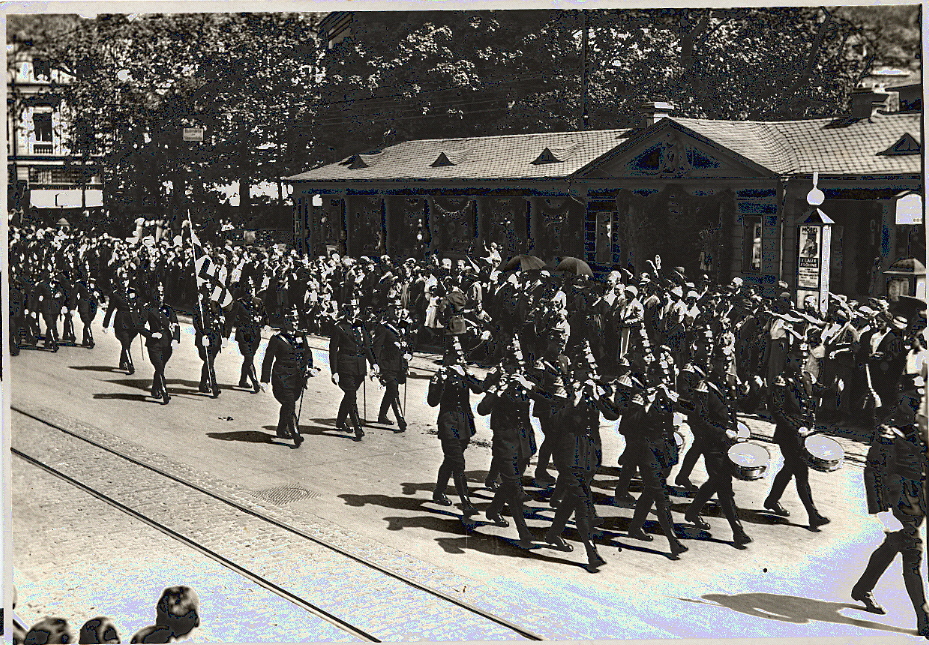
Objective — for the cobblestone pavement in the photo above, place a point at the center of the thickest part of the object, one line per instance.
(314, 573)
(131, 564)
(372, 498)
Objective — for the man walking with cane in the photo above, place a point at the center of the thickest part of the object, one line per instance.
(288, 362)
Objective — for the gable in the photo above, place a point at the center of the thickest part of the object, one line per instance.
(673, 153)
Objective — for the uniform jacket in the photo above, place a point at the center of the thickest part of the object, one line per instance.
(287, 361)
(389, 348)
(349, 347)
(793, 408)
(161, 320)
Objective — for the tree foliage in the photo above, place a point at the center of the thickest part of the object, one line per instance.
(405, 75)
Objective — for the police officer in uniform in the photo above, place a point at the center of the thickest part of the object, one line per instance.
(349, 349)
(88, 299)
(249, 317)
(449, 390)
(288, 362)
(793, 409)
(392, 353)
(51, 302)
(162, 330)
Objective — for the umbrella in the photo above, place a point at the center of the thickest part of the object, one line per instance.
(523, 262)
(575, 266)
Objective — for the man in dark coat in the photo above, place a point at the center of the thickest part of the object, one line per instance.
(208, 324)
(162, 330)
(288, 362)
(794, 412)
(127, 323)
(88, 299)
(714, 419)
(17, 314)
(449, 390)
(895, 476)
(349, 350)
(51, 301)
(392, 353)
(249, 317)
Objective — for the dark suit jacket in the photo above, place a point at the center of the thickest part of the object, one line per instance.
(349, 347)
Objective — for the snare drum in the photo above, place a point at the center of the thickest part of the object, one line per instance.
(823, 453)
(749, 461)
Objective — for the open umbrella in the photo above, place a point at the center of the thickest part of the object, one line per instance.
(522, 262)
(575, 267)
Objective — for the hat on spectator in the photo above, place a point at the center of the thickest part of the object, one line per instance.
(631, 288)
(178, 610)
(50, 630)
(99, 630)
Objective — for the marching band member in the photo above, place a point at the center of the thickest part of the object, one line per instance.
(449, 390)
(794, 413)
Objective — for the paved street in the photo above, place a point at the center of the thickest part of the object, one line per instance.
(373, 497)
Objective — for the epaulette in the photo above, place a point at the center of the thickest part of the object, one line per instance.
(702, 386)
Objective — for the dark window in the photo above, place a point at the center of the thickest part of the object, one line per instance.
(751, 244)
(43, 126)
(41, 69)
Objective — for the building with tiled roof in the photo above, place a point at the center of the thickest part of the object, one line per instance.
(723, 198)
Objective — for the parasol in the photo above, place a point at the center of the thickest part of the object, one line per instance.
(522, 262)
(574, 266)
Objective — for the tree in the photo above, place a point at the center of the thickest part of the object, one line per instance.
(138, 80)
(409, 75)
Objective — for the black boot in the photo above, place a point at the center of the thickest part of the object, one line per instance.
(461, 486)
(438, 495)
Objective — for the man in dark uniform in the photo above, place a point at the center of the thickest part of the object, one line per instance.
(162, 331)
(392, 354)
(349, 348)
(714, 420)
(88, 300)
(127, 323)
(895, 476)
(449, 390)
(287, 363)
(507, 402)
(249, 318)
(51, 301)
(69, 304)
(17, 312)
(794, 412)
(208, 324)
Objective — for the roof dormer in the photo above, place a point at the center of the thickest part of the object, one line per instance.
(441, 161)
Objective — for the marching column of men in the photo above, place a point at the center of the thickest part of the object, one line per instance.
(673, 349)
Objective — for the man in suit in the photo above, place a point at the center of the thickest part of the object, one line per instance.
(392, 353)
(349, 356)
(288, 362)
(161, 334)
(127, 322)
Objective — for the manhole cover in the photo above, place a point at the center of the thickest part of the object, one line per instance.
(286, 494)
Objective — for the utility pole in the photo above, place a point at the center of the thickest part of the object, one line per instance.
(585, 122)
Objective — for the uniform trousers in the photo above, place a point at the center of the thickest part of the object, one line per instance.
(349, 384)
(125, 338)
(653, 471)
(719, 483)
(794, 467)
(159, 357)
(455, 431)
(510, 465)
(51, 329)
(208, 356)
(248, 345)
(391, 396)
(908, 543)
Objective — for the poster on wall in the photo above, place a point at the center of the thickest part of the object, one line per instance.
(809, 262)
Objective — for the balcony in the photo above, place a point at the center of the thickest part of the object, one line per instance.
(43, 148)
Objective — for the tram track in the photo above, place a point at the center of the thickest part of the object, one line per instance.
(98, 458)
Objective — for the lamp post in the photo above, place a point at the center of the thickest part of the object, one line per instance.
(814, 251)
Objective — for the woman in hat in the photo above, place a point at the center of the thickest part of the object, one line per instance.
(449, 390)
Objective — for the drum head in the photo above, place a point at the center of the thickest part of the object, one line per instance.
(749, 455)
(824, 448)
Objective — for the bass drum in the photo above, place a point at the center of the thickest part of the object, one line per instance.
(823, 453)
(749, 461)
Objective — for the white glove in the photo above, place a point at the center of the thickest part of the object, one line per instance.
(205, 342)
(335, 378)
(175, 343)
(264, 387)
(731, 435)
(156, 335)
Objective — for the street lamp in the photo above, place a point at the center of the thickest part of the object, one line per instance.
(814, 251)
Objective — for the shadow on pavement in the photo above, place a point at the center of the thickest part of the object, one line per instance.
(120, 396)
(386, 501)
(321, 431)
(248, 436)
(792, 609)
(134, 383)
(96, 368)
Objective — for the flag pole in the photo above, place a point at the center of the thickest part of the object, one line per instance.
(193, 253)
